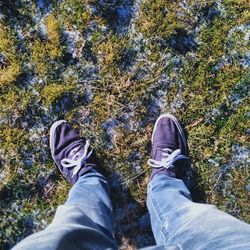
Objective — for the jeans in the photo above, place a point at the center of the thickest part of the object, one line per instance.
(85, 220)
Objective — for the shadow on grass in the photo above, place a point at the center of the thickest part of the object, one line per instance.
(191, 178)
(117, 14)
(11, 11)
(132, 220)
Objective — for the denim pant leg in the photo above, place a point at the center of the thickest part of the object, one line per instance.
(83, 222)
(91, 195)
(178, 221)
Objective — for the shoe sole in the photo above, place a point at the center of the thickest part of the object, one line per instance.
(51, 133)
(178, 125)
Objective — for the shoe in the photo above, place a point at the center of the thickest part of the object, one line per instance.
(169, 147)
(71, 153)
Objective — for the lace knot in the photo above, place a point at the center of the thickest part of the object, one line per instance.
(168, 159)
(78, 162)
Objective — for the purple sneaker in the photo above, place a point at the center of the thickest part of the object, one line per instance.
(169, 147)
(71, 153)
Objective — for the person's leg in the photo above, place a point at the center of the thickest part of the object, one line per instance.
(85, 220)
(175, 219)
(91, 195)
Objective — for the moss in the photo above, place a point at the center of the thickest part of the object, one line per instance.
(9, 75)
(54, 36)
(12, 139)
(14, 103)
(7, 43)
(110, 53)
(10, 69)
(39, 57)
(53, 92)
(45, 53)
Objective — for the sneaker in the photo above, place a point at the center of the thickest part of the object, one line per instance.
(71, 153)
(169, 147)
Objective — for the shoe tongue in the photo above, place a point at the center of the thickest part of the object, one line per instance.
(76, 152)
(66, 150)
(161, 152)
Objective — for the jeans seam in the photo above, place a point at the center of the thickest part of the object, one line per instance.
(165, 234)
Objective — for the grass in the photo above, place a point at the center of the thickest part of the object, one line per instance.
(75, 13)
(53, 92)
(53, 33)
(10, 66)
(14, 103)
(154, 12)
(46, 53)
(189, 60)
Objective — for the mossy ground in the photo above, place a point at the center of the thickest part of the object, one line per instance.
(111, 69)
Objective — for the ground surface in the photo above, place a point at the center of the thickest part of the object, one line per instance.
(111, 67)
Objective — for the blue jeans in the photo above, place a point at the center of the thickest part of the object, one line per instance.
(180, 223)
(85, 220)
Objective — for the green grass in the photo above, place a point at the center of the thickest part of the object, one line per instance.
(11, 66)
(53, 92)
(46, 53)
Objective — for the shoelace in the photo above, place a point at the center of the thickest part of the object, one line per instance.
(169, 158)
(78, 163)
